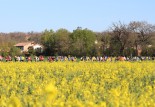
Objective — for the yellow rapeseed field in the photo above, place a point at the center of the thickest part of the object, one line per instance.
(77, 84)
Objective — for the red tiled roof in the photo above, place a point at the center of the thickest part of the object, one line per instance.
(23, 44)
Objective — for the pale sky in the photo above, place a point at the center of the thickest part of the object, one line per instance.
(96, 15)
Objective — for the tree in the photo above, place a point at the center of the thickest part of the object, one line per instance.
(104, 39)
(82, 42)
(14, 51)
(120, 38)
(31, 50)
(48, 40)
(143, 33)
(62, 41)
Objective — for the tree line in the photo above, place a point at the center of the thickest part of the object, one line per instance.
(133, 39)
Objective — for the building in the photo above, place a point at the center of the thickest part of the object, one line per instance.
(24, 46)
(37, 46)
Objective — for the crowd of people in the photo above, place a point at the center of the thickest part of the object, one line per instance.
(118, 58)
(72, 58)
(37, 58)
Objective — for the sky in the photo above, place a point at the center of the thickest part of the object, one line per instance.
(96, 15)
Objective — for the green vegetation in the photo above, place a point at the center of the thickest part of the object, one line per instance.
(133, 39)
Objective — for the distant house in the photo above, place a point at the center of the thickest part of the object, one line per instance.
(37, 46)
(24, 46)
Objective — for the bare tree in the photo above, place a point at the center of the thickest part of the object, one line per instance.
(120, 36)
(143, 33)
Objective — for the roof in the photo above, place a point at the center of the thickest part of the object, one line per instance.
(23, 44)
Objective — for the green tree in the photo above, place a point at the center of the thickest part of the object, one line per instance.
(48, 40)
(14, 51)
(31, 50)
(82, 42)
(62, 41)
(103, 43)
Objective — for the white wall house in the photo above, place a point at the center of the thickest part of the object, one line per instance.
(24, 46)
(37, 46)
